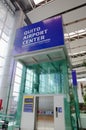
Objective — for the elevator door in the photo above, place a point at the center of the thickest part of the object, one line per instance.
(44, 113)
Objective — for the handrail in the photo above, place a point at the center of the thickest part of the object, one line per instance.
(6, 116)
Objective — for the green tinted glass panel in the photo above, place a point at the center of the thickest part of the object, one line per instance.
(46, 77)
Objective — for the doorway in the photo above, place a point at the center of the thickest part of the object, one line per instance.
(44, 113)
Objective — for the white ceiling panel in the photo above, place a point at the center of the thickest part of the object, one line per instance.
(78, 50)
(78, 43)
(81, 76)
(78, 62)
(80, 69)
(78, 59)
(76, 26)
(74, 15)
(53, 8)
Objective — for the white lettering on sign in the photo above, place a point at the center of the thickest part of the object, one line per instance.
(35, 35)
(32, 30)
(36, 39)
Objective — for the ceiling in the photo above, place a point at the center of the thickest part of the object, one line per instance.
(48, 55)
(74, 21)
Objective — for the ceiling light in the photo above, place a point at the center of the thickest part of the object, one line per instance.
(66, 34)
(38, 1)
(80, 52)
(82, 79)
(82, 30)
(75, 34)
(72, 33)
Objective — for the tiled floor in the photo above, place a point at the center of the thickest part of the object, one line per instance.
(45, 123)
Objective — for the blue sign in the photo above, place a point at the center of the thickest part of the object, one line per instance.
(28, 100)
(28, 107)
(41, 35)
(74, 78)
(28, 104)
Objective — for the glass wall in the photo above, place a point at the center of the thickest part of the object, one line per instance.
(47, 78)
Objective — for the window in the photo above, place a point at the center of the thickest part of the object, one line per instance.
(38, 1)
(16, 88)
